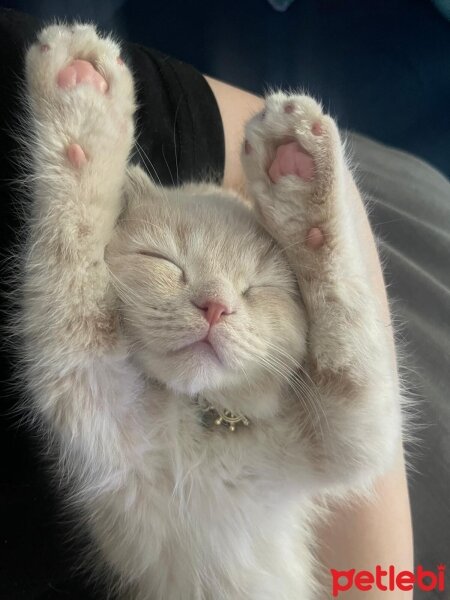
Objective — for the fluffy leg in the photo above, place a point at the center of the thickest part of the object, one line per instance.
(81, 105)
(297, 176)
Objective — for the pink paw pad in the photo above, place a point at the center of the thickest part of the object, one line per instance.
(119, 60)
(81, 71)
(76, 155)
(315, 238)
(45, 48)
(291, 159)
(317, 128)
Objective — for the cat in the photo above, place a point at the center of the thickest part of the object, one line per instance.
(206, 370)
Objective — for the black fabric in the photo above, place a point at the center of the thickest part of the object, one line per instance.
(180, 138)
(180, 133)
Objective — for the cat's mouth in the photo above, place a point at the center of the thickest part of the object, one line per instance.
(203, 347)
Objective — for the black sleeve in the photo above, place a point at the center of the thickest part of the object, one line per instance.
(178, 121)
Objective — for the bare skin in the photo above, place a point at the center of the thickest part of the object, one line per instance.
(366, 534)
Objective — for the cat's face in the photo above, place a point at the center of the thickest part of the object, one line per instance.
(206, 297)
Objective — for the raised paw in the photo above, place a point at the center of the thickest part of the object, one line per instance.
(81, 91)
(81, 72)
(294, 162)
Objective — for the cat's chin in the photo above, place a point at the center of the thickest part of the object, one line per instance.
(198, 381)
(203, 349)
(190, 370)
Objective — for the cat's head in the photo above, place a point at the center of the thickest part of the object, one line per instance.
(207, 299)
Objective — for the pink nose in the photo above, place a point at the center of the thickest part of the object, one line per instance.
(213, 311)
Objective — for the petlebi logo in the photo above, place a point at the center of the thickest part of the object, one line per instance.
(388, 579)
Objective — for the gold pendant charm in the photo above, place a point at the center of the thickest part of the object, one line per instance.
(230, 419)
(223, 417)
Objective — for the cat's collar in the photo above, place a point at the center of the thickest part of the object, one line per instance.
(213, 417)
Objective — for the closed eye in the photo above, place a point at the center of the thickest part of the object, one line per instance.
(259, 287)
(252, 287)
(159, 256)
(155, 255)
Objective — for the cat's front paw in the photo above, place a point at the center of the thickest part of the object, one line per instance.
(81, 92)
(294, 162)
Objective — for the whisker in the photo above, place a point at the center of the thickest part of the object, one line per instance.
(125, 292)
(144, 163)
(168, 168)
(175, 141)
(312, 387)
(160, 187)
(297, 391)
(301, 390)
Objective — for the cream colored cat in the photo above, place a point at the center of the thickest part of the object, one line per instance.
(150, 314)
